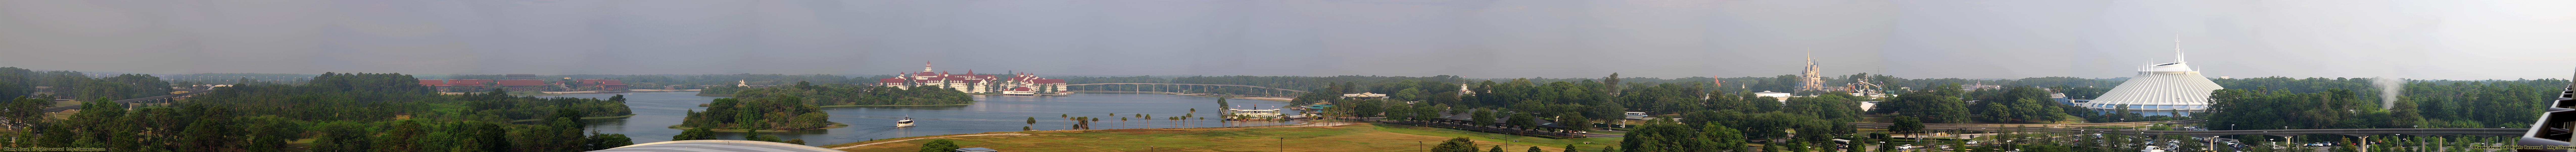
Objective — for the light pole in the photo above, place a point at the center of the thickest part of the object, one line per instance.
(1283, 144)
(2231, 126)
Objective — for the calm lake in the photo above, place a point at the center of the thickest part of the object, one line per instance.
(655, 112)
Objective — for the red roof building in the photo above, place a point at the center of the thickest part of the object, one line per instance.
(433, 83)
(439, 85)
(469, 82)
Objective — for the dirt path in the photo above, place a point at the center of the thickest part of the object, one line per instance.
(990, 134)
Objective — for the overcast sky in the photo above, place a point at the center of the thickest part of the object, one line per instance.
(2422, 39)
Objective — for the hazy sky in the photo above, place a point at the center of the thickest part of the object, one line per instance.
(2423, 39)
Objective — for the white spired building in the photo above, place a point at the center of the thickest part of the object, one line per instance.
(2170, 89)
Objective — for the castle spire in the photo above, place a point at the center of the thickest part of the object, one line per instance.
(1811, 58)
(925, 66)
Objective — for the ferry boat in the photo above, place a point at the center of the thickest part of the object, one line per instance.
(906, 122)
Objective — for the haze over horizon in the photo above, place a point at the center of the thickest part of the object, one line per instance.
(1478, 39)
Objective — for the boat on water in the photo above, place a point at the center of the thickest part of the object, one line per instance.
(906, 122)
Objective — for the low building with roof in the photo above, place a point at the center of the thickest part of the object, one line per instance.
(438, 85)
(481, 85)
(1364, 95)
(599, 85)
(1254, 114)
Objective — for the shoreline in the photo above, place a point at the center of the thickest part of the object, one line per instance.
(582, 118)
(838, 106)
(834, 125)
(1317, 136)
(1197, 94)
(629, 90)
(1309, 123)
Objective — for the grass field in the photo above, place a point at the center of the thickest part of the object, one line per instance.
(1346, 138)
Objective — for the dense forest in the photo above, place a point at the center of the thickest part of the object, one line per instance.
(2344, 103)
(793, 106)
(76, 85)
(1695, 104)
(1698, 106)
(336, 112)
(760, 113)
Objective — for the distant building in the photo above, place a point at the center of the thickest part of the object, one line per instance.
(523, 85)
(1813, 78)
(1020, 91)
(1254, 114)
(599, 85)
(2170, 89)
(1783, 97)
(972, 83)
(1462, 90)
(470, 85)
(1978, 86)
(439, 85)
(481, 85)
(1363, 95)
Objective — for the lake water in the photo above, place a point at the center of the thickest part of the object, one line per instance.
(655, 112)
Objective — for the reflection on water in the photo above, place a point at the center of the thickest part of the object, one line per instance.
(657, 111)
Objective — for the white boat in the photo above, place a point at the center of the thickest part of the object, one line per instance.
(906, 122)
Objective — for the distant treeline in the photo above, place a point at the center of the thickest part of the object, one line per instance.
(15, 82)
(2319, 103)
(336, 112)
